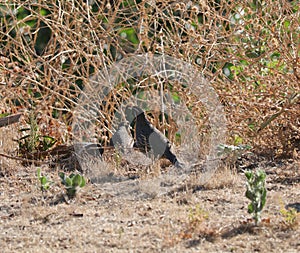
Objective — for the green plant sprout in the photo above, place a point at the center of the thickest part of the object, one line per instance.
(44, 181)
(256, 192)
(33, 141)
(290, 216)
(118, 158)
(72, 183)
(197, 215)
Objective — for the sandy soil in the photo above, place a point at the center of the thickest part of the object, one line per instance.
(132, 216)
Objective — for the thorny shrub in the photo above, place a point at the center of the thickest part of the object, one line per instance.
(248, 50)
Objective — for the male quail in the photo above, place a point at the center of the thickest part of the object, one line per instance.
(149, 138)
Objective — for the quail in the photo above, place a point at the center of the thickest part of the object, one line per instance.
(122, 138)
(149, 138)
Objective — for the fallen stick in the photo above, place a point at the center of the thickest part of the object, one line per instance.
(27, 160)
(9, 120)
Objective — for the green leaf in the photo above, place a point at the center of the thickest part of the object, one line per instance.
(264, 198)
(286, 23)
(68, 182)
(275, 56)
(176, 97)
(249, 195)
(48, 142)
(252, 126)
(48, 139)
(250, 208)
(238, 140)
(39, 173)
(43, 180)
(249, 174)
(178, 137)
(22, 13)
(129, 34)
(62, 176)
(83, 182)
(44, 12)
(72, 175)
(77, 180)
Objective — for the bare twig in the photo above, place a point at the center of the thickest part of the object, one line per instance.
(9, 120)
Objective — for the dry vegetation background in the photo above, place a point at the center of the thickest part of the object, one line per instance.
(249, 51)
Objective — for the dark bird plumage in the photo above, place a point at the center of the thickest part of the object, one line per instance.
(150, 139)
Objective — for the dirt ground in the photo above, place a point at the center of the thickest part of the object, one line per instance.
(134, 217)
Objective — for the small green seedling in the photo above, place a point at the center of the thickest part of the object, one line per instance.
(45, 182)
(72, 183)
(197, 215)
(118, 158)
(290, 216)
(256, 192)
(33, 140)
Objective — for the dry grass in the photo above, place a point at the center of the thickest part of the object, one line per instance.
(108, 217)
(134, 215)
